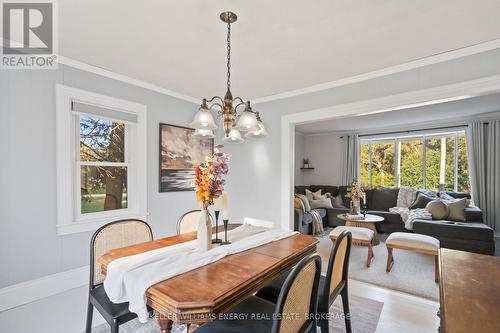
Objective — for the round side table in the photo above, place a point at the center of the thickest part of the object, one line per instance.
(368, 222)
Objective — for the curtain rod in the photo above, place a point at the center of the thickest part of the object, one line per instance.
(416, 130)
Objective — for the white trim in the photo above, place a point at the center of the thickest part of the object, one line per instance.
(123, 78)
(32, 290)
(438, 58)
(68, 221)
(471, 88)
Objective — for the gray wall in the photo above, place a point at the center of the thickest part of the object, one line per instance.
(29, 245)
(324, 151)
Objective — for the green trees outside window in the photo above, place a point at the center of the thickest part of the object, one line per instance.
(435, 161)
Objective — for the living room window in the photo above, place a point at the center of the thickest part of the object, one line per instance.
(430, 160)
(101, 160)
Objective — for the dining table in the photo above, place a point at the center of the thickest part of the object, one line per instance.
(200, 295)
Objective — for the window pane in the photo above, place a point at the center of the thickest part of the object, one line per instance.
(382, 164)
(364, 164)
(439, 163)
(101, 140)
(463, 168)
(411, 163)
(103, 188)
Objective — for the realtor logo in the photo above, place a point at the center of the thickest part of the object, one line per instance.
(28, 32)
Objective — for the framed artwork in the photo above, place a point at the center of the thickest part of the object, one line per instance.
(180, 153)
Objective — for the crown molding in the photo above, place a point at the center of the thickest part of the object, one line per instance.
(431, 60)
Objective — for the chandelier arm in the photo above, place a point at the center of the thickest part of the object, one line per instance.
(214, 98)
(238, 105)
(216, 104)
(239, 99)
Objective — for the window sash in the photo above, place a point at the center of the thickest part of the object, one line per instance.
(397, 140)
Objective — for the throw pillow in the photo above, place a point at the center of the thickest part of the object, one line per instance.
(457, 209)
(438, 209)
(321, 203)
(429, 193)
(310, 194)
(421, 201)
(305, 202)
(317, 195)
(446, 196)
(337, 202)
(406, 196)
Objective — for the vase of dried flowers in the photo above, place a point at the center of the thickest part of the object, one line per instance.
(209, 184)
(355, 193)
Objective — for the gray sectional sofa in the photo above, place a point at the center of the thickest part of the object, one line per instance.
(471, 235)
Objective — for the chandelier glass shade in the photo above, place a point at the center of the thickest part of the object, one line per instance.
(227, 107)
(203, 133)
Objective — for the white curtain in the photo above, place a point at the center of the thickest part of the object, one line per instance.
(350, 159)
(483, 146)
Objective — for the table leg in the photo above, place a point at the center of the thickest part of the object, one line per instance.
(165, 325)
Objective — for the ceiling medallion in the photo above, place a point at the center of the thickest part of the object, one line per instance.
(246, 121)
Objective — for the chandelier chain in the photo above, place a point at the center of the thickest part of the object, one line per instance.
(228, 55)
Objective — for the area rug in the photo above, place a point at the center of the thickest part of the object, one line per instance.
(412, 273)
(365, 314)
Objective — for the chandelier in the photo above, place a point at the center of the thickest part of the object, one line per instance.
(247, 121)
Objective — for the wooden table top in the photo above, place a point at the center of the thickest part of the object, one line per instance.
(196, 295)
(469, 292)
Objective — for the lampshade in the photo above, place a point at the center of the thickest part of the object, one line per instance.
(203, 119)
(259, 134)
(233, 137)
(248, 120)
(203, 133)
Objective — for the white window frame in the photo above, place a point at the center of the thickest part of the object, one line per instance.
(420, 135)
(69, 217)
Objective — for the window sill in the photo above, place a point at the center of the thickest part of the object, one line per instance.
(95, 223)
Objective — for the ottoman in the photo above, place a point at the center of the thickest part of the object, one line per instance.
(415, 243)
(360, 236)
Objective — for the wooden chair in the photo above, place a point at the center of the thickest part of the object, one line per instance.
(189, 221)
(111, 236)
(295, 310)
(330, 286)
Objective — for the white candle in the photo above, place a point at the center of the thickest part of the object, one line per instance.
(225, 213)
(216, 203)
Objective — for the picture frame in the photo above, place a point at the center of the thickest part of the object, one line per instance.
(179, 154)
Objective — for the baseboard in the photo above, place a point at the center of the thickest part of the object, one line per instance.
(33, 290)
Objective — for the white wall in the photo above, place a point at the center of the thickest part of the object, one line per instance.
(324, 152)
(300, 154)
(29, 245)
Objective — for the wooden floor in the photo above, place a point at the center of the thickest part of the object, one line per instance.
(65, 312)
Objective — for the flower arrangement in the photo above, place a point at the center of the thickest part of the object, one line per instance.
(209, 181)
(355, 192)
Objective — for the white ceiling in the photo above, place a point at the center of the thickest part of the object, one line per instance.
(431, 114)
(278, 46)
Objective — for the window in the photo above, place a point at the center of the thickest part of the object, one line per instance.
(436, 161)
(101, 160)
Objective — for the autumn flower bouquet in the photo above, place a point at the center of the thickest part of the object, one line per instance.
(355, 193)
(209, 182)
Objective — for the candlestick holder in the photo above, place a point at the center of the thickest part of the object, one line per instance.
(216, 240)
(225, 242)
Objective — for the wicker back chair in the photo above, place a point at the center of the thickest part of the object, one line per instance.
(111, 236)
(336, 280)
(297, 302)
(189, 221)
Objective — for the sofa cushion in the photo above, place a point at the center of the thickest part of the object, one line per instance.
(456, 209)
(421, 201)
(384, 198)
(311, 195)
(321, 203)
(473, 214)
(300, 189)
(333, 190)
(438, 209)
(457, 230)
(343, 192)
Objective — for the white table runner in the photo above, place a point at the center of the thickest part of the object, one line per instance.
(128, 278)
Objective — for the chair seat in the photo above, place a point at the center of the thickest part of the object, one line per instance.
(252, 315)
(358, 233)
(271, 292)
(412, 241)
(101, 300)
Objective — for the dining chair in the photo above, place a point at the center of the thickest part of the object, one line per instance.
(295, 310)
(330, 286)
(189, 221)
(111, 236)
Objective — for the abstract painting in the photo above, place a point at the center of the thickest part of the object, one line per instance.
(180, 153)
